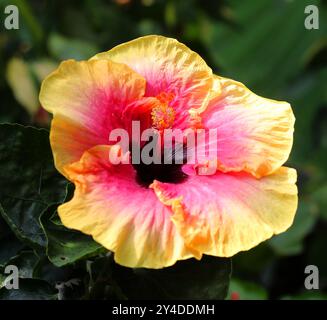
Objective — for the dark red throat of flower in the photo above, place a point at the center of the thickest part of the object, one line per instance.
(163, 172)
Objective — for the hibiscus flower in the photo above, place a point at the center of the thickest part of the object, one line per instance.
(154, 215)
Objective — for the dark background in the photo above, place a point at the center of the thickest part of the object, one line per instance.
(262, 43)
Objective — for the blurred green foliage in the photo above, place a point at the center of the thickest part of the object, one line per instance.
(262, 43)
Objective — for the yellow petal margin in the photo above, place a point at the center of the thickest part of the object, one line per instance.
(224, 214)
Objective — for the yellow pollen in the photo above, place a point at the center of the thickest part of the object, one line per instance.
(162, 114)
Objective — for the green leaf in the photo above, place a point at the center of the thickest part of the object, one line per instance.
(45, 270)
(189, 279)
(266, 44)
(31, 22)
(66, 246)
(21, 82)
(10, 246)
(315, 254)
(307, 95)
(29, 183)
(254, 261)
(26, 263)
(30, 289)
(246, 290)
(291, 241)
(63, 48)
(320, 196)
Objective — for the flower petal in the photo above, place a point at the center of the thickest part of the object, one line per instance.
(168, 67)
(122, 216)
(223, 214)
(87, 99)
(254, 134)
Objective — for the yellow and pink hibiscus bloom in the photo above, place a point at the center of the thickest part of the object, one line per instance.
(250, 198)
